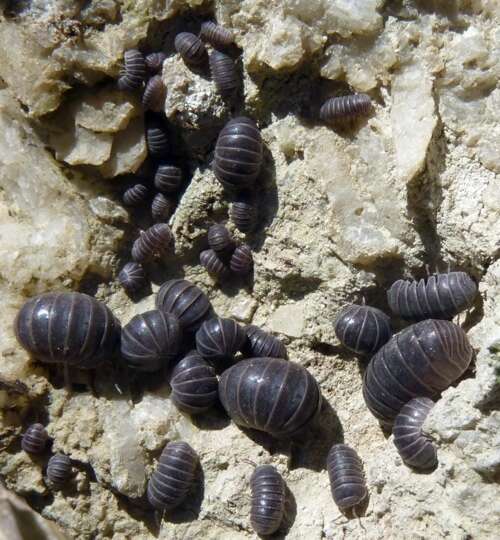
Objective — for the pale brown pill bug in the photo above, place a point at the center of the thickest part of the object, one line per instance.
(218, 36)
(134, 71)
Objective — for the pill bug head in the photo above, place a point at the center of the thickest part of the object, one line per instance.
(132, 277)
(135, 195)
(59, 471)
(268, 500)
(260, 343)
(153, 97)
(34, 439)
(168, 178)
(162, 207)
(191, 48)
(221, 241)
(154, 61)
(243, 212)
(134, 71)
(241, 261)
(216, 35)
(213, 264)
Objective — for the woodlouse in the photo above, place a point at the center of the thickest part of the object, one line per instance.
(173, 477)
(271, 395)
(213, 265)
(241, 261)
(362, 329)
(220, 240)
(69, 328)
(262, 344)
(162, 207)
(420, 361)
(59, 470)
(413, 446)
(224, 73)
(34, 439)
(186, 301)
(153, 97)
(216, 35)
(440, 296)
(218, 340)
(153, 241)
(132, 277)
(268, 500)
(345, 107)
(151, 340)
(238, 154)
(134, 72)
(243, 213)
(347, 479)
(191, 48)
(194, 384)
(157, 138)
(154, 61)
(135, 195)
(168, 178)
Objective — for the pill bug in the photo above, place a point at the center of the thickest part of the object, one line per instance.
(347, 479)
(268, 500)
(238, 154)
(243, 213)
(216, 35)
(194, 384)
(362, 329)
(135, 195)
(420, 361)
(271, 395)
(241, 261)
(34, 439)
(168, 178)
(413, 446)
(224, 73)
(153, 97)
(220, 240)
(70, 328)
(186, 301)
(218, 340)
(173, 477)
(262, 344)
(153, 241)
(134, 72)
(154, 61)
(440, 296)
(132, 277)
(157, 138)
(59, 470)
(190, 47)
(345, 107)
(162, 207)
(213, 265)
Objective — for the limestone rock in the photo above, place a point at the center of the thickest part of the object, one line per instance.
(82, 146)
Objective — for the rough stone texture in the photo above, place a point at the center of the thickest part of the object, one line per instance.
(343, 211)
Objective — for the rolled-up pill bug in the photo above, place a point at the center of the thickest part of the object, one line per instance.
(212, 263)
(186, 301)
(151, 340)
(220, 240)
(224, 73)
(413, 446)
(168, 178)
(191, 48)
(218, 340)
(173, 477)
(241, 261)
(216, 35)
(132, 277)
(420, 361)
(153, 97)
(270, 394)
(362, 329)
(157, 138)
(153, 241)
(34, 439)
(268, 500)
(262, 344)
(243, 212)
(347, 478)
(69, 328)
(135, 195)
(162, 207)
(194, 384)
(154, 61)
(440, 296)
(134, 71)
(238, 154)
(59, 470)
(345, 107)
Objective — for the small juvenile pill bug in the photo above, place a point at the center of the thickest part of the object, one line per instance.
(262, 344)
(190, 47)
(132, 277)
(216, 35)
(241, 262)
(440, 296)
(154, 241)
(362, 329)
(59, 470)
(162, 207)
(34, 439)
(224, 73)
(218, 340)
(243, 212)
(154, 61)
(413, 446)
(173, 477)
(135, 195)
(268, 500)
(168, 178)
(347, 479)
(194, 384)
(134, 71)
(157, 138)
(153, 97)
(213, 264)
(220, 240)
(151, 340)
(345, 107)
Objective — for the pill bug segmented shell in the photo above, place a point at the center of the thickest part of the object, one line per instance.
(186, 301)
(420, 361)
(135, 195)
(194, 384)
(190, 47)
(162, 207)
(268, 500)
(238, 154)
(220, 240)
(212, 263)
(243, 213)
(153, 241)
(218, 340)
(216, 35)
(345, 107)
(440, 296)
(224, 73)
(263, 344)
(59, 470)
(151, 340)
(173, 477)
(271, 395)
(413, 446)
(153, 97)
(347, 479)
(132, 277)
(134, 71)
(362, 329)
(157, 138)
(168, 178)
(154, 61)
(68, 328)
(34, 439)
(241, 261)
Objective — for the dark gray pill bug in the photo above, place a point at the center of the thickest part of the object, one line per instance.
(362, 329)
(153, 97)
(194, 384)
(191, 48)
(168, 178)
(243, 213)
(134, 71)
(216, 35)
(413, 446)
(162, 207)
(132, 277)
(268, 500)
(345, 107)
(154, 61)
(151, 340)
(213, 264)
(224, 73)
(238, 154)
(59, 470)
(347, 478)
(218, 340)
(241, 262)
(186, 301)
(157, 138)
(440, 296)
(154, 241)
(173, 477)
(34, 439)
(135, 195)
(260, 343)
(221, 241)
